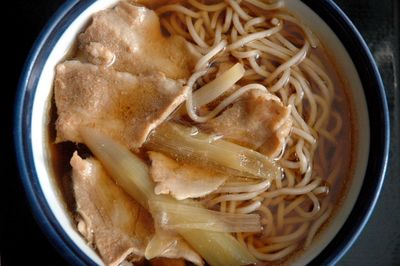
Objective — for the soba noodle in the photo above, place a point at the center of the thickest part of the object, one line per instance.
(265, 205)
(261, 36)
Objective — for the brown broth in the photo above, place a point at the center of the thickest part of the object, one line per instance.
(346, 143)
(62, 152)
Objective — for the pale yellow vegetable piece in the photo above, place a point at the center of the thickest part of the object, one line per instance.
(217, 248)
(188, 145)
(218, 86)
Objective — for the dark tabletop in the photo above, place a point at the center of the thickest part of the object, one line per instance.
(378, 22)
(22, 242)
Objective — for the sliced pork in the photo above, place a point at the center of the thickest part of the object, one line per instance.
(108, 218)
(132, 33)
(98, 54)
(258, 121)
(182, 181)
(116, 224)
(124, 106)
(168, 244)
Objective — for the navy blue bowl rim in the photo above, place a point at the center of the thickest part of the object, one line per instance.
(332, 15)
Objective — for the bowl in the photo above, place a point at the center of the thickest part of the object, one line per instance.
(330, 24)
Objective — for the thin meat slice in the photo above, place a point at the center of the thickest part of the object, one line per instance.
(258, 121)
(133, 34)
(108, 218)
(116, 224)
(167, 244)
(121, 105)
(96, 53)
(182, 181)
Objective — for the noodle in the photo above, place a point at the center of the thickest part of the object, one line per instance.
(233, 197)
(292, 191)
(208, 8)
(277, 54)
(222, 105)
(286, 238)
(252, 207)
(228, 19)
(252, 22)
(203, 62)
(283, 80)
(293, 61)
(317, 224)
(177, 27)
(276, 5)
(238, 25)
(199, 41)
(207, 22)
(218, 34)
(177, 8)
(243, 187)
(238, 9)
(253, 37)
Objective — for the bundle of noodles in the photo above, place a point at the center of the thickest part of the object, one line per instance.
(268, 50)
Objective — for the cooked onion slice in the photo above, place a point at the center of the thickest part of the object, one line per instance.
(218, 86)
(182, 144)
(217, 248)
(170, 216)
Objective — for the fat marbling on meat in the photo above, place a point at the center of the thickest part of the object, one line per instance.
(258, 121)
(182, 181)
(124, 106)
(133, 34)
(115, 224)
(108, 218)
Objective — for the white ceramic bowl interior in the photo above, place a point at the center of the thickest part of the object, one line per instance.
(40, 119)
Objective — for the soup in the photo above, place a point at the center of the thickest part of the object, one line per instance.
(200, 132)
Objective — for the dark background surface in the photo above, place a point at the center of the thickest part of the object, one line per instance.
(22, 242)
